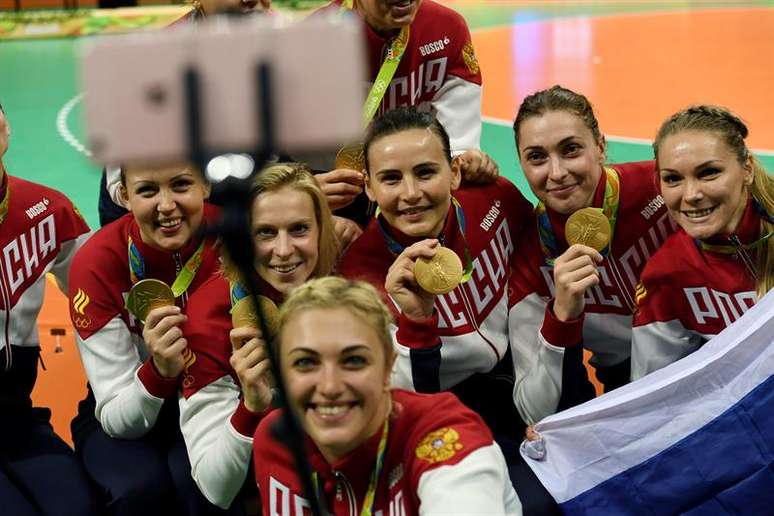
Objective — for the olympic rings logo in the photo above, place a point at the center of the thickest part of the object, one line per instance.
(82, 322)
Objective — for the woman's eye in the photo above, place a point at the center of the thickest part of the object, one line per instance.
(299, 229)
(181, 185)
(264, 232)
(303, 363)
(535, 157)
(572, 149)
(355, 361)
(709, 172)
(425, 173)
(390, 179)
(146, 191)
(670, 178)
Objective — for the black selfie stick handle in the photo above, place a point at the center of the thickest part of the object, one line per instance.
(236, 235)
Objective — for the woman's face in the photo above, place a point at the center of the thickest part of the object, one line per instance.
(337, 376)
(287, 237)
(561, 160)
(412, 182)
(167, 203)
(703, 184)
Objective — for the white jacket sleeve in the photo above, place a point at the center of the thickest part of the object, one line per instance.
(61, 267)
(537, 363)
(111, 360)
(113, 184)
(219, 454)
(478, 484)
(457, 106)
(659, 343)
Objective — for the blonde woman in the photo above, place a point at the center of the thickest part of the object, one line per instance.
(373, 449)
(722, 259)
(225, 391)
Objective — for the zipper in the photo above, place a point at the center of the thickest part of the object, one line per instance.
(341, 480)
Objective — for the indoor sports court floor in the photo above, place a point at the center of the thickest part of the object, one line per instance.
(637, 61)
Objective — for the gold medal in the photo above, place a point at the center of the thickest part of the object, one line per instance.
(351, 156)
(441, 273)
(146, 295)
(588, 226)
(242, 314)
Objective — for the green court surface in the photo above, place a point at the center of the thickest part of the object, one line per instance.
(40, 93)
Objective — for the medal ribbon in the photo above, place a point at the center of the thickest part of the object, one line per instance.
(370, 496)
(737, 247)
(5, 201)
(609, 208)
(184, 278)
(387, 71)
(395, 248)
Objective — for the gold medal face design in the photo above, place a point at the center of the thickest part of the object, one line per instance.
(146, 295)
(352, 157)
(242, 314)
(588, 226)
(440, 274)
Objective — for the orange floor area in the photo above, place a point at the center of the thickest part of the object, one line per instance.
(62, 384)
(638, 69)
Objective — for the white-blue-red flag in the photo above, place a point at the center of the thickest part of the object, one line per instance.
(696, 437)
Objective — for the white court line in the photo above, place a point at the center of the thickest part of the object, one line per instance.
(64, 130)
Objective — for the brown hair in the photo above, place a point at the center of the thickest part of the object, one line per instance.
(733, 131)
(299, 177)
(556, 98)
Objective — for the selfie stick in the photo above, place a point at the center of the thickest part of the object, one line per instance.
(235, 233)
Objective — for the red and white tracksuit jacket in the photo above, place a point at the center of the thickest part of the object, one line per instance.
(217, 427)
(688, 295)
(128, 390)
(41, 233)
(440, 459)
(547, 352)
(468, 332)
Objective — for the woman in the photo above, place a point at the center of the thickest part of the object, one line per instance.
(455, 340)
(570, 297)
(723, 200)
(386, 450)
(126, 432)
(225, 391)
(40, 231)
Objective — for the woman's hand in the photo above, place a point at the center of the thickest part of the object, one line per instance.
(251, 364)
(476, 166)
(400, 284)
(164, 340)
(340, 186)
(574, 272)
(347, 231)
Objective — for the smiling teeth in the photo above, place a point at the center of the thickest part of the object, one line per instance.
(284, 268)
(331, 410)
(169, 223)
(695, 214)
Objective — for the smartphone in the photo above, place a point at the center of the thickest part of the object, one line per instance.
(135, 99)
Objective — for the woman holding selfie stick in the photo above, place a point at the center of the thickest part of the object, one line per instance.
(128, 284)
(723, 200)
(373, 449)
(226, 390)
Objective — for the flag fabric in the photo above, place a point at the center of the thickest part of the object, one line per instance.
(696, 437)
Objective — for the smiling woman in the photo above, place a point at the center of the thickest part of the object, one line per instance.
(226, 390)
(386, 450)
(126, 431)
(723, 200)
